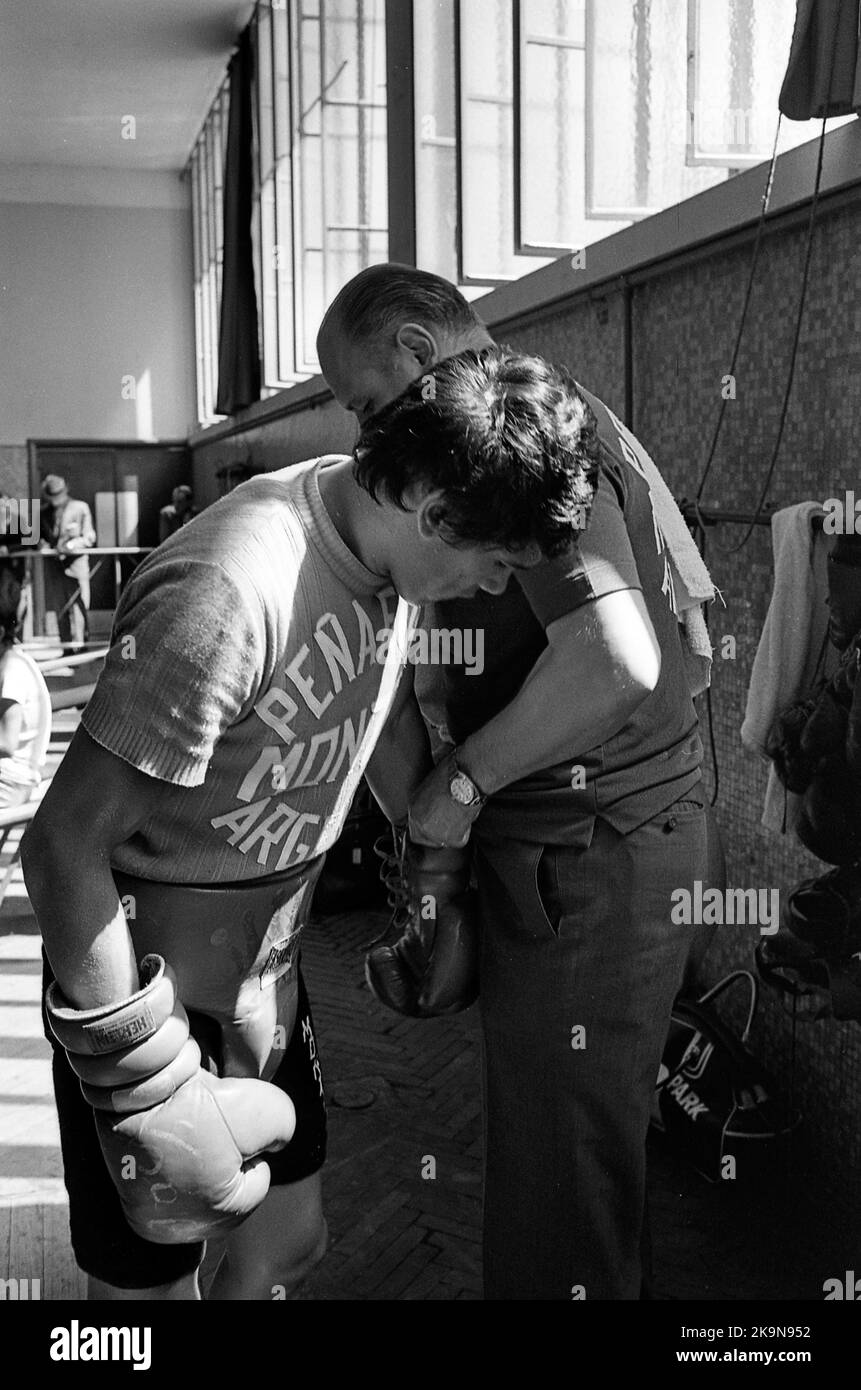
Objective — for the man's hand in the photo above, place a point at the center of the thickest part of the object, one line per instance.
(435, 817)
(73, 545)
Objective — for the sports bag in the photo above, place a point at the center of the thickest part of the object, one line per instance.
(714, 1100)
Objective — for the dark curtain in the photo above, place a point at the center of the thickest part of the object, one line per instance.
(238, 350)
(823, 77)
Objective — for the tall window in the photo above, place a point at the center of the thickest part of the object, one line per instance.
(549, 124)
(436, 213)
(321, 209)
(540, 126)
(206, 172)
(636, 110)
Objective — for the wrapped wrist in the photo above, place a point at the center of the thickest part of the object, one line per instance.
(131, 1054)
(110, 1027)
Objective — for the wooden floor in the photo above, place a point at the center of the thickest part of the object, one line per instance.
(34, 1239)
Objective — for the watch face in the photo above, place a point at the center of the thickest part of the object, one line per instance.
(462, 789)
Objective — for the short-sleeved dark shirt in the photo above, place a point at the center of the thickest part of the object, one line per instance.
(657, 756)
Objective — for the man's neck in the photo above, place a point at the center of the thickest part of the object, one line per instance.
(349, 509)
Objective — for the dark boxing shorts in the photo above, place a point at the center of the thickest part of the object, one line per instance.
(105, 1246)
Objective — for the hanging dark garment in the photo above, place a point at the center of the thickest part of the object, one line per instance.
(238, 348)
(823, 77)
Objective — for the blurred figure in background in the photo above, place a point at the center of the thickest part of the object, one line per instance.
(67, 527)
(177, 512)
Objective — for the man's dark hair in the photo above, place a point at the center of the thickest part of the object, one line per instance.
(507, 437)
(386, 295)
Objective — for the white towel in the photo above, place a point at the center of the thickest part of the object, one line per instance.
(792, 641)
(691, 582)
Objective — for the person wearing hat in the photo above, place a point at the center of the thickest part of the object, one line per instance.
(67, 527)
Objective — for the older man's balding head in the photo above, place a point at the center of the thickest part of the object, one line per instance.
(388, 326)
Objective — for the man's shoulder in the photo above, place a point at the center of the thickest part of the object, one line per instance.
(293, 474)
(619, 444)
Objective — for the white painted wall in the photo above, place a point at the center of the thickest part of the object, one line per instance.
(96, 305)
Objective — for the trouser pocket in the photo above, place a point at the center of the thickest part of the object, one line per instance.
(512, 902)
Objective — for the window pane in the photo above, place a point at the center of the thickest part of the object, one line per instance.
(740, 49)
(198, 304)
(283, 193)
(267, 258)
(309, 180)
(436, 165)
(209, 331)
(559, 18)
(487, 127)
(637, 109)
(263, 82)
(553, 173)
(219, 133)
(354, 138)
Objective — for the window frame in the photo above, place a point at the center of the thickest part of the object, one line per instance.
(593, 210)
(522, 40)
(204, 171)
(465, 277)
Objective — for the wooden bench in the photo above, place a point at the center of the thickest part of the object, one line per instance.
(74, 698)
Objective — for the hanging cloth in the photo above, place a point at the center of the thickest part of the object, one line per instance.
(823, 77)
(238, 350)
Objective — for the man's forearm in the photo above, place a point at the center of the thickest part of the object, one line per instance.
(400, 762)
(558, 713)
(82, 923)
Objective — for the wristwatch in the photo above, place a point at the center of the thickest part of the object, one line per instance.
(462, 788)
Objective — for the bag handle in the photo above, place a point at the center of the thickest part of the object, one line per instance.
(729, 980)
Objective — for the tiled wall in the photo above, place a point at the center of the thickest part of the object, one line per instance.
(684, 328)
(326, 429)
(14, 473)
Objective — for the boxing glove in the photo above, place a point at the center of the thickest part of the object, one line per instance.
(853, 735)
(844, 590)
(816, 948)
(829, 822)
(825, 731)
(182, 1146)
(794, 767)
(426, 964)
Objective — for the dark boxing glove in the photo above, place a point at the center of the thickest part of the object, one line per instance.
(829, 823)
(816, 948)
(794, 767)
(426, 964)
(844, 590)
(181, 1145)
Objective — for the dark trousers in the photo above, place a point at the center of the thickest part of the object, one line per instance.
(581, 962)
(69, 598)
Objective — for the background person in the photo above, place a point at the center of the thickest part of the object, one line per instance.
(178, 512)
(67, 527)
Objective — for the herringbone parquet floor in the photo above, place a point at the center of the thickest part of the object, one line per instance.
(403, 1181)
(402, 1185)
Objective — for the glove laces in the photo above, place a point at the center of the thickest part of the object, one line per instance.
(392, 850)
